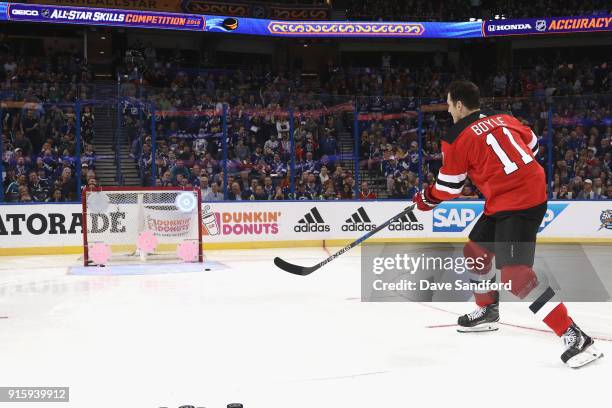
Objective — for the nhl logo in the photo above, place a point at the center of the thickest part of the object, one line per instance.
(540, 25)
(606, 219)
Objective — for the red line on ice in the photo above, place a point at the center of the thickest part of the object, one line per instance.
(518, 326)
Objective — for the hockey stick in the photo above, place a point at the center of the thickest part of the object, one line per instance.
(307, 270)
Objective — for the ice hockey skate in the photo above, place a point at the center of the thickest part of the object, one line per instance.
(580, 349)
(483, 319)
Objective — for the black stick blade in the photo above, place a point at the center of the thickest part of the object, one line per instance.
(294, 269)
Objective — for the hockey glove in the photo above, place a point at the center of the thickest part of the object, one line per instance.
(424, 200)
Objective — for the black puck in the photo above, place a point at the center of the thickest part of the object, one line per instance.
(207, 269)
(234, 405)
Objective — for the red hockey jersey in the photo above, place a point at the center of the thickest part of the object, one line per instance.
(496, 151)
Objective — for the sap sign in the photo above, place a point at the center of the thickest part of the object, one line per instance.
(455, 217)
(552, 212)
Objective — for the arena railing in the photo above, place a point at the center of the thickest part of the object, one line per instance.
(353, 132)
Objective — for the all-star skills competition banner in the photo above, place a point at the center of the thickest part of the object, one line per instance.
(99, 16)
(307, 29)
(196, 22)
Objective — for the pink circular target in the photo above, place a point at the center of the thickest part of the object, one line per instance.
(99, 253)
(187, 251)
(147, 242)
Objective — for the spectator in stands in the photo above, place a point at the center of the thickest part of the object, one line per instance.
(87, 124)
(259, 194)
(92, 183)
(56, 197)
(323, 176)
(88, 156)
(166, 180)
(23, 144)
(392, 172)
(21, 167)
(195, 174)
(303, 193)
(330, 192)
(12, 190)
(84, 170)
(329, 146)
(31, 129)
(179, 169)
(365, 193)
(271, 146)
(144, 163)
(311, 187)
(236, 193)
(398, 189)
(243, 152)
(308, 165)
(563, 193)
(278, 169)
(369, 153)
(347, 192)
(67, 184)
(587, 192)
(204, 187)
(214, 194)
(39, 189)
(181, 181)
(24, 195)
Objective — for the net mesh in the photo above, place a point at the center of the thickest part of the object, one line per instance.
(119, 219)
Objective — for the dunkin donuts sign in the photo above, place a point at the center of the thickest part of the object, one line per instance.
(161, 223)
(239, 222)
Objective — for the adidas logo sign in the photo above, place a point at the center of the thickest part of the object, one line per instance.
(408, 222)
(312, 222)
(359, 221)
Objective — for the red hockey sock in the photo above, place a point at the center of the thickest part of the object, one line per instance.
(484, 299)
(558, 319)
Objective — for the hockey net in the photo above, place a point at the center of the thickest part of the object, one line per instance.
(125, 220)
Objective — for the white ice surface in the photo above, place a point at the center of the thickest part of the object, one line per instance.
(254, 334)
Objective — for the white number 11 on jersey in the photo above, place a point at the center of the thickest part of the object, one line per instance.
(509, 165)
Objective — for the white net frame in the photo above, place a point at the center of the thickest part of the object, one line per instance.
(117, 216)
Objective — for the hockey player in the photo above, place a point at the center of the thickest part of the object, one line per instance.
(496, 151)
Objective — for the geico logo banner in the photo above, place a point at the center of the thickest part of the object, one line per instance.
(19, 12)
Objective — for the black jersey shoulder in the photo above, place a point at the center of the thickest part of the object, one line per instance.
(460, 126)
